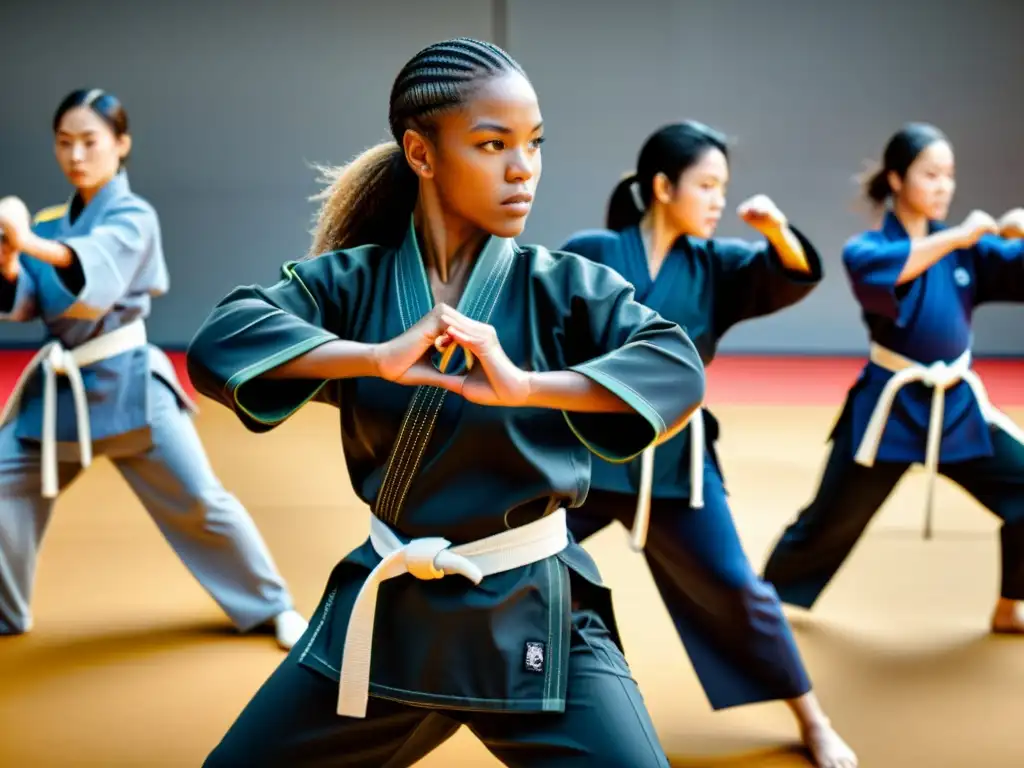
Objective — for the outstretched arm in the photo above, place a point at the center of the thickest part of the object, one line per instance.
(999, 262)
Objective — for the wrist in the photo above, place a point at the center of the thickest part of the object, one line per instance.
(51, 252)
(28, 243)
(372, 358)
(342, 359)
(534, 388)
(963, 237)
(375, 354)
(775, 231)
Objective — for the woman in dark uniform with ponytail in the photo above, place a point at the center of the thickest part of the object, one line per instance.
(660, 236)
(473, 377)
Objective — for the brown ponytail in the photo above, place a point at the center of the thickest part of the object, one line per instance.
(670, 150)
(874, 185)
(899, 154)
(623, 209)
(369, 200)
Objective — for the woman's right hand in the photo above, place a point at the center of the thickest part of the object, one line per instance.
(405, 359)
(977, 224)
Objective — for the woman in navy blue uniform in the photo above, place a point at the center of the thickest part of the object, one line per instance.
(917, 400)
(659, 236)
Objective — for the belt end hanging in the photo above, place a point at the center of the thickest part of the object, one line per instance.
(638, 538)
(927, 532)
(348, 706)
(642, 519)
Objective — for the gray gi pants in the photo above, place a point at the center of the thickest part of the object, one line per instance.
(207, 526)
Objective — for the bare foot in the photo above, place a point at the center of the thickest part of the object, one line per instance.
(1008, 619)
(827, 747)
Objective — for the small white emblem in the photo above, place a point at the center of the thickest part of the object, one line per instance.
(962, 277)
(534, 657)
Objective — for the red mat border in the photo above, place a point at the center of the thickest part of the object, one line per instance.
(732, 379)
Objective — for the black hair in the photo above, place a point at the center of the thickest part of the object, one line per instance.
(669, 150)
(105, 105)
(370, 199)
(900, 153)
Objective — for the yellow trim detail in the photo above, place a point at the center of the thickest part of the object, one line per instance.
(52, 213)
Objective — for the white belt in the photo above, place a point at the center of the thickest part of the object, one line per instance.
(939, 376)
(54, 359)
(642, 519)
(433, 558)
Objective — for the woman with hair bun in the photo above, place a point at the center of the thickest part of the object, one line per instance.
(661, 223)
(89, 271)
(917, 400)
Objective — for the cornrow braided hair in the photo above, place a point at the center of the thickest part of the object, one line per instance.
(370, 199)
(438, 78)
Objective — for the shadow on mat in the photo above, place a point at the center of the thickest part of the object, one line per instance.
(763, 757)
(956, 650)
(933, 667)
(28, 661)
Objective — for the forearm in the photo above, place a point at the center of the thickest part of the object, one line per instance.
(572, 391)
(928, 251)
(339, 359)
(50, 251)
(790, 249)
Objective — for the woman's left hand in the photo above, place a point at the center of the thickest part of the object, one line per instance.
(493, 379)
(15, 221)
(1011, 225)
(762, 214)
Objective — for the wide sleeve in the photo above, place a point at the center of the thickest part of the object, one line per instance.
(752, 281)
(106, 259)
(999, 270)
(627, 348)
(874, 264)
(18, 298)
(255, 329)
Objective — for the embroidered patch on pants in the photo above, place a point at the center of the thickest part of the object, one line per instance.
(534, 658)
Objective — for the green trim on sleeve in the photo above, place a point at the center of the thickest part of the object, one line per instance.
(260, 367)
(631, 397)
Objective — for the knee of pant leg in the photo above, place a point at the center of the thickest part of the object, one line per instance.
(636, 746)
(225, 758)
(19, 467)
(219, 758)
(211, 508)
(233, 753)
(217, 503)
(736, 574)
(203, 488)
(758, 602)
